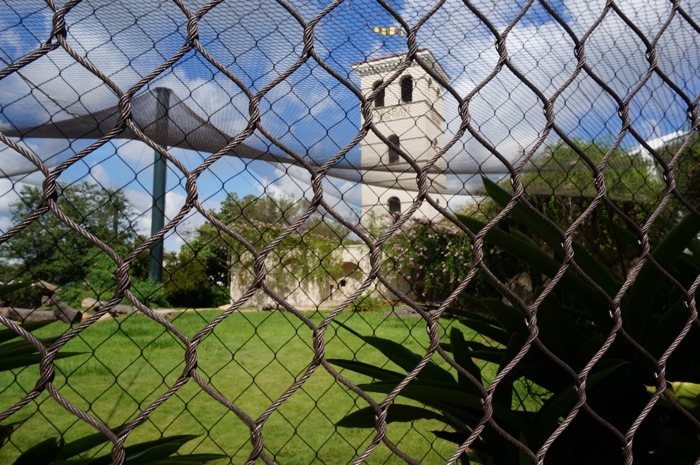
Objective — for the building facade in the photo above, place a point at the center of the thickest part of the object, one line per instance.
(408, 111)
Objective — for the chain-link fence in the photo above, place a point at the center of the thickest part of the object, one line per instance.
(353, 231)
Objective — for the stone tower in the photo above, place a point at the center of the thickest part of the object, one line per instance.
(410, 113)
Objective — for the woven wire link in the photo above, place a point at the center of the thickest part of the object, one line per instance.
(193, 21)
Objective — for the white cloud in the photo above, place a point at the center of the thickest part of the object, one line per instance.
(141, 202)
(9, 194)
(510, 116)
(98, 175)
(295, 182)
(258, 41)
(135, 153)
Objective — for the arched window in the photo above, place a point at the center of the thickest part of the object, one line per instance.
(394, 205)
(379, 98)
(393, 154)
(406, 89)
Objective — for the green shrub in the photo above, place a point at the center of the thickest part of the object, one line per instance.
(187, 285)
(367, 303)
(433, 256)
(100, 283)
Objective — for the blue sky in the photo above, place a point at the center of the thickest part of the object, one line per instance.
(310, 111)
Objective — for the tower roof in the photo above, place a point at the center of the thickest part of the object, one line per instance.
(388, 63)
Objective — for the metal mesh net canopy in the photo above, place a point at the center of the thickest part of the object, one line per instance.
(262, 83)
(477, 219)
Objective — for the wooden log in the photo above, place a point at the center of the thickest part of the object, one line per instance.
(24, 315)
(46, 286)
(48, 301)
(89, 302)
(67, 314)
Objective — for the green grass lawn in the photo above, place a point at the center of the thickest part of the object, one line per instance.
(250, 358)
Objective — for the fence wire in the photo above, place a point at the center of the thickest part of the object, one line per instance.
(350, 232)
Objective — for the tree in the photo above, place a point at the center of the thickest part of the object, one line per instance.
(202, 272)
(49, 250)
(687, 172)
(563, 170)
(561, 186)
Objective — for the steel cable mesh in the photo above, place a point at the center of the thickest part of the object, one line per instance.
(586, 192)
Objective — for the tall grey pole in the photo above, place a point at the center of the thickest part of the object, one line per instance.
(159, 178)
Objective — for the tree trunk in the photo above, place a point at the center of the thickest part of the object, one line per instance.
(25, 315)
(46, 286)
(67, 314)
(61, 312)
(48, 301)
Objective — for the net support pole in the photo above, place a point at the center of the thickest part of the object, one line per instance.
(159, 181)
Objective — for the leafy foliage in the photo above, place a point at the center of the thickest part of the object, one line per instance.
(49, 250)
(100, 283)
(201, 273)
(562, 188)
(189, 284)
(434, 256)
(161, 451)
(566, 170)
(573, 323)
(687, 171)
(431, 255)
